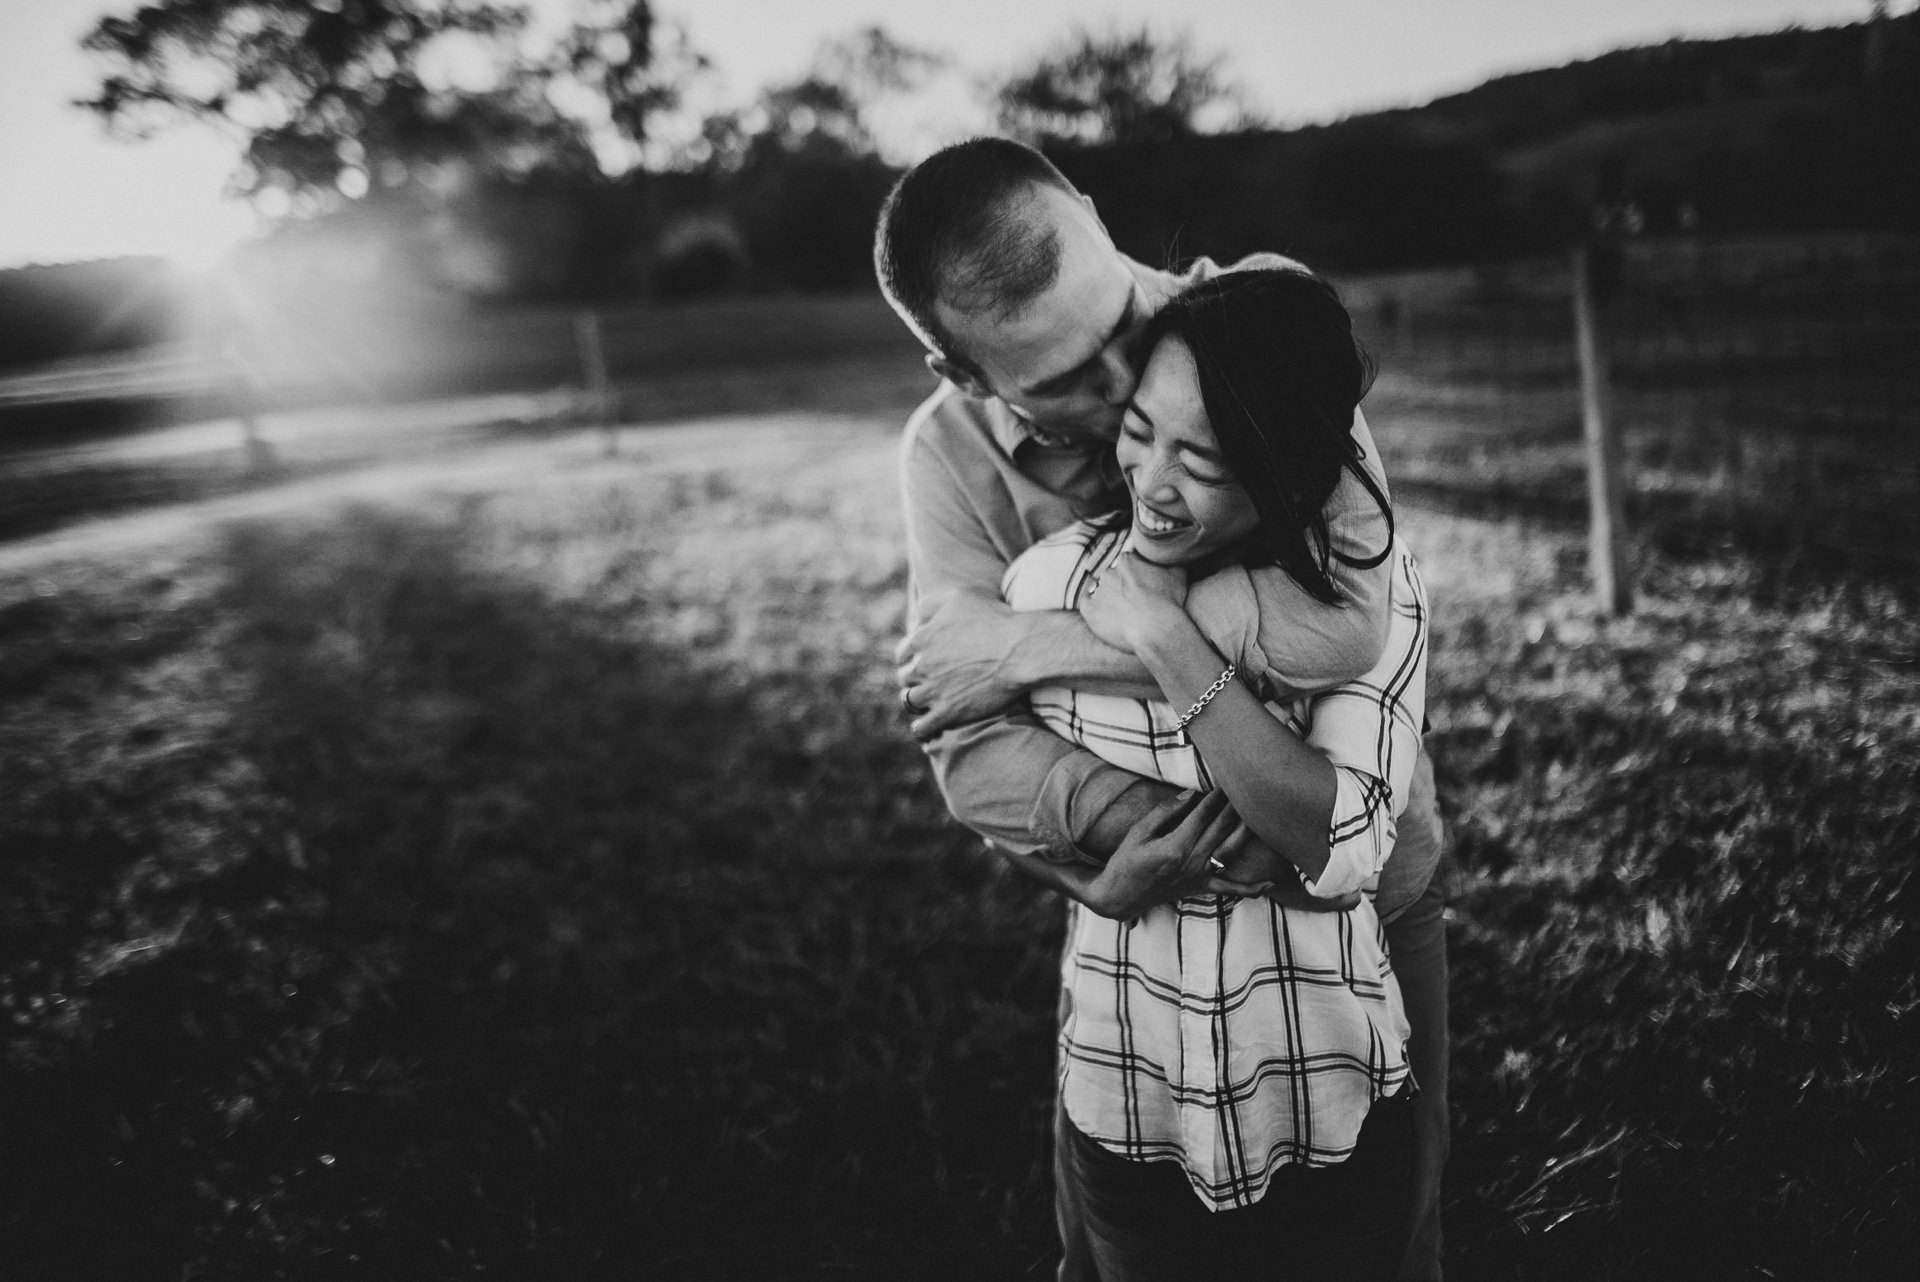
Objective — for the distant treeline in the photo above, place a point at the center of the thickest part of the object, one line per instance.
(76, 308)
(1790, 131)
(1795, 130)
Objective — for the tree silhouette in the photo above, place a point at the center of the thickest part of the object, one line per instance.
(333, 98)
(799, 172)
(853, 80)
(1117, 87)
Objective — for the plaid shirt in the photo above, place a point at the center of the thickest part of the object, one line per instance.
(1231, 1035)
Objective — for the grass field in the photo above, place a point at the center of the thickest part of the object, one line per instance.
(507, 862)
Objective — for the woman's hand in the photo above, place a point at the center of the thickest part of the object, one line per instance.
(1132, 599)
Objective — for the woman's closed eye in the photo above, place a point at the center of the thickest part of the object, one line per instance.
(1138, 429)
(1221, 479)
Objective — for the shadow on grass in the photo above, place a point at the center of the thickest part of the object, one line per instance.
(509, 944)
(52, 500)
(85, 420)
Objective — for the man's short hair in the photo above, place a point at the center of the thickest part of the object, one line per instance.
(955, 229)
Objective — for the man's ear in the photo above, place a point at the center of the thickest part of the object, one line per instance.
(1095, 215)
(962, 376)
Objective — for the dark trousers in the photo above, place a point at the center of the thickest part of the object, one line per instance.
(1128, 1221)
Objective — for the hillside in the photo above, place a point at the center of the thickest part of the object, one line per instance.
(1791, 131)
(1532, 107)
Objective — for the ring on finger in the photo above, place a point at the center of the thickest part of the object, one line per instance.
(1214, 862)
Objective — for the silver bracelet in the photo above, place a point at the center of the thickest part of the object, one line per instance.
(1207, 698)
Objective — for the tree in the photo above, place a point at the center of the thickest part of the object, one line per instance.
(798, 175)
(333, 98)
(834, 106)
(1117, 87)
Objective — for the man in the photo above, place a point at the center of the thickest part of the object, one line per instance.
(1030, 316)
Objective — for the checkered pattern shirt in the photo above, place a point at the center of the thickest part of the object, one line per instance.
(1231, 1035)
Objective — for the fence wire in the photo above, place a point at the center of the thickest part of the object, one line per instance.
(1766, 389)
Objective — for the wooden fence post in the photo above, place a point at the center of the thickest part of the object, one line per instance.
(246, 392)
(1593, 282)
(593, 367)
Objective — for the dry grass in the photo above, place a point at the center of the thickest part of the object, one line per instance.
(513, 864)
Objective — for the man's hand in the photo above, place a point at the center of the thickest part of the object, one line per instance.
(954, 665)
(1168, 854)
(1257, 869)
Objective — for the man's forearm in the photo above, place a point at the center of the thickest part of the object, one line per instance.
(968, 657)
(1255, 865)
(1055, 647)
(1071, 880)
(1023, 787)
(1118, 819)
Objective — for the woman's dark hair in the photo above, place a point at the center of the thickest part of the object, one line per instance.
(1281, 375)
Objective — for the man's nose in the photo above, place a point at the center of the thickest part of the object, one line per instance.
(1117, 376)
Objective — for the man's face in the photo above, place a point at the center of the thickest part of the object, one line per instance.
(1065, 362)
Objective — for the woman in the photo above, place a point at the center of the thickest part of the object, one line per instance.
(1220, 1055)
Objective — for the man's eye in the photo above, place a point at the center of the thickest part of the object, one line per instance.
(1133, 432)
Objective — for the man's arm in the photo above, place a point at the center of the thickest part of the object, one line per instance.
(970, 656)
(1009, 778)
(1170, 853)
(1005, 776)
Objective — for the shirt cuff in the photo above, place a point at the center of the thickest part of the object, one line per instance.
(1359, 838)
(1075, 793)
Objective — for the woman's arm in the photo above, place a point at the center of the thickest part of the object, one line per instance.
(1323, 803)
(1282, 789)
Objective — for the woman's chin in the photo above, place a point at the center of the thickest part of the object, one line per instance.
(1162, 551)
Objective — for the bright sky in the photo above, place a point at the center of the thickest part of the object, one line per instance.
(68, 192)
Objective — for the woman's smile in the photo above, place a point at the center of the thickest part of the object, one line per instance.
(1186, 503)
(1152, 523)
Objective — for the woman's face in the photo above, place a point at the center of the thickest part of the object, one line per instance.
(1186, 504)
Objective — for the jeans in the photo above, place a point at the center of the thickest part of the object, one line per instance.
(1141, 1222)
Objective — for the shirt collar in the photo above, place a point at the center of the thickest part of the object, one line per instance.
(1010, 431)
